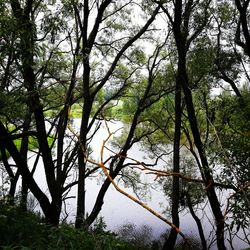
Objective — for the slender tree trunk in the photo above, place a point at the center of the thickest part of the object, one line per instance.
(13, 177)
(115, 167)
(24, 152)
(180, 28)
(50, 215)
(99, 202)
(170, 242)
(82, 153)
(205, 171)
(242, 7)
(24, 196)
(80, 213)
(198, 222)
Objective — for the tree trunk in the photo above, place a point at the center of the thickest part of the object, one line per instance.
(27, 34)
(205, 171)
(198, 222)
(82, 153)
(80, 213)
(51, 216)
(99, 203)
(242, 7)
(170, 242)
(181, 28)
(13, 177)
(115, 168)
(24, 152)
(87, 107)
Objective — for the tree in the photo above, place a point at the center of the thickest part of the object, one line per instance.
(242, 35)
(40, 53)
(139, 104)
(231, 124)
(91, 89)
(180, 22)
(99, 57)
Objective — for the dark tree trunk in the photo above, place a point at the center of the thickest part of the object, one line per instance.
(80, 212)
(99, 202)
(113, 173)
(82, 153)
(205, 171)
(180, 25)
(50, 214)
(13, 177)
(27, 34)
(24, 196)
(198, 223)
(24, 152)
(243, 27)
(170, 242)
(115, 168)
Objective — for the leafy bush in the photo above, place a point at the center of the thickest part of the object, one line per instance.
(18, 227)
(25, 230)
(140, 237)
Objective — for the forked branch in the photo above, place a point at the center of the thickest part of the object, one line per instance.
(105, 171)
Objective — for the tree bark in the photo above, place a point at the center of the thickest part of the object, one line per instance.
(50, 215)
(205, 171)
(244, 23)
(170, 242)
(198, 223)
(24, 152)
(180, 25)
(27, 33)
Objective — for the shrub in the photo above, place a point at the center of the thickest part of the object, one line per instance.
(25, 230)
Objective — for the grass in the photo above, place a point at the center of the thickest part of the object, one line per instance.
(75, 111)
(33, 144)
(26, 230)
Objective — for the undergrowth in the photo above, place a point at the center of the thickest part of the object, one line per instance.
(26, 230)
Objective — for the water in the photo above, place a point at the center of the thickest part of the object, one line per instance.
(118, 209)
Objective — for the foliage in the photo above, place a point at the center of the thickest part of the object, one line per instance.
(99, 225)
(12, 105)
(25, 230)
(141, 237)
(33, 144)
(191, 243)
(19, 228)
(232, 151)
(188, 189)
(232, 124)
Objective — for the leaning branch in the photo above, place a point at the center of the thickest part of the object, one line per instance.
(105, 171)
(163, 173)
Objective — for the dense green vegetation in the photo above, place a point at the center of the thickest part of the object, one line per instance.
(25, 230)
